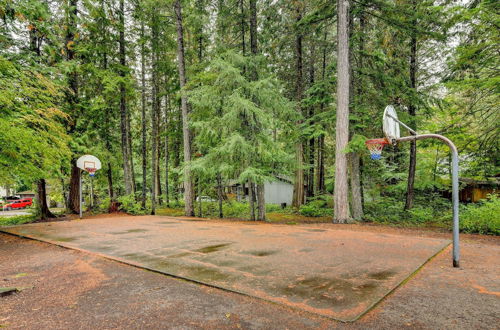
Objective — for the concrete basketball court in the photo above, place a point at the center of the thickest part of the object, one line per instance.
(333, 272)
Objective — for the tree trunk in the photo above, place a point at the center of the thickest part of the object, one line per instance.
(74, 189)
(72, 99)
(261, 205)
(43, 208)
(123, 105)
(154, 111)
(177, 156)
(243, 25)
(410, 191)
(158, 157)
(321, 165)
(341, 200)
(251, 200)
(167, 156)
(257, 190)
(200, 209)
(186, 132)
(321, 139)
(311, 151)
(109, 173)
(253, 26)
(64, 193)
(143, 119)
(356, 196)
(356, 199)
(130, 154)
(298, 188)
(220, 194)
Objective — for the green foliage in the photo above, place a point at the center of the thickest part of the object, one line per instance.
(429, 211)
(319, 206)
(311, 210)
(129, 205)
(104, 205)
(232, 209)
(273, 208)
(17, 220)
(32, 133)
(482, 218)
(471, 115)
(433, 211)
(234, 117)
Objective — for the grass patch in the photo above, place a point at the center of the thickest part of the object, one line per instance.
(172, 212)
(291, 218)
(17, 220)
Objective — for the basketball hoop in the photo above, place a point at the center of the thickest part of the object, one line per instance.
(90, 164)
(392, 134)
(375, 147)
(91, 170)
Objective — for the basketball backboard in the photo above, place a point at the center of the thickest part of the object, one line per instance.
(390, 124)
(88, 163)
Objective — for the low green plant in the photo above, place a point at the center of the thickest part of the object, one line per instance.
(17, 220)
(482, 218)
(313, 210)
(129, 205)
(430, 210)
(273, 208)
(104, 205)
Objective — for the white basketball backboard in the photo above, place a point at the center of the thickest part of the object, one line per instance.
(390, 126)
(88, 162)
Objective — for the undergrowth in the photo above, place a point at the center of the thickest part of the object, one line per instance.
(17, 220)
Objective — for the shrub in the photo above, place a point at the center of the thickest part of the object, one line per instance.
(421, 215)
(235, 210)
(273, 208)
(17, 220)
(104, 205)
(312, 210)
(129, 205)
(482, 218)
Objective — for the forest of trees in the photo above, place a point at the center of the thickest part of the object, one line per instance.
(180, 97)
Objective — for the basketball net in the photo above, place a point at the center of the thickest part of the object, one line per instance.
(91, 170)
(375, 146)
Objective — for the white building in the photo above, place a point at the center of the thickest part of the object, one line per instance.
(278, 192)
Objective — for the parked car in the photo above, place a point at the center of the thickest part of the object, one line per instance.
(9, 199)
(205, 199)
(19, 204)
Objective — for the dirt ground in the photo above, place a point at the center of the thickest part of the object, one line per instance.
(63, 288)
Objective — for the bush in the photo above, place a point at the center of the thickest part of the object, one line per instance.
(482, 218)
(129, 205)
(17, 220)
(431, 210)
(312, 210)
(104, 205)
(235, 210)
(273, 208)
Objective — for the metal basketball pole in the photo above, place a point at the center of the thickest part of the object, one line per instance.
(454, 186)
(91, 192)
(80, 173)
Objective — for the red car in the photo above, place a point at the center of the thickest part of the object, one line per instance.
(20, 204)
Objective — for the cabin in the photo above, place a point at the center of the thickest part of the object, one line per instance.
(279, 191)
(26, 194)
(472, 191)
